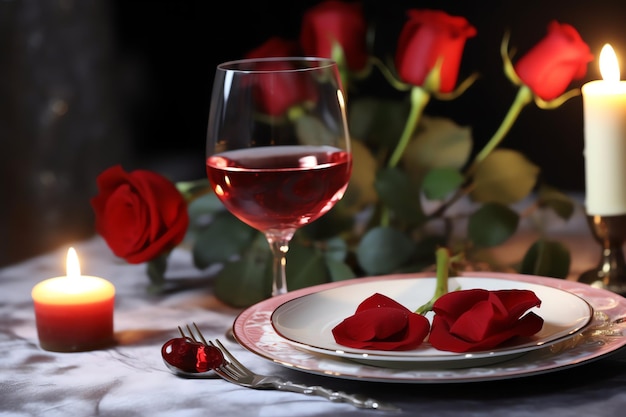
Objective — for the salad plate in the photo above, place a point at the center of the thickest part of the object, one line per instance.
(253, 329)
(307, 321)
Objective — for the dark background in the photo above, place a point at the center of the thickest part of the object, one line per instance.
(176, 45)
(88, 84)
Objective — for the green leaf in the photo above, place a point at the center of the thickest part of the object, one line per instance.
(335, 249)
(305, 267)
(562, 205)
(243, 283)
(376, 121)
(382, 250)
(547, 258)
(207, 204)
(225, 237)
(504, 177)
(492, 224)
(439, 182)
(399, 195)
(248, 280)
(338, 270)
(337, 220)
(361, 191)
(311, 131)
(439, 143)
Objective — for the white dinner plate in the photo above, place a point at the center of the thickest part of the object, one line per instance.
(253, 330)
(307, 321)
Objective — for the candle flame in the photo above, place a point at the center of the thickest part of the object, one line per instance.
(609, 67)
(72, 265)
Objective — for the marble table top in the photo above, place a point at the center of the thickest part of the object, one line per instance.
(130, 378)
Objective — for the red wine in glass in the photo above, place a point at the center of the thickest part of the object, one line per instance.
(279, 188)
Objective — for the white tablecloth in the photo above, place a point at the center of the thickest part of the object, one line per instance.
(130, 378)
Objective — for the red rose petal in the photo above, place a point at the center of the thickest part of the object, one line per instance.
(473, 320)
(382, 323)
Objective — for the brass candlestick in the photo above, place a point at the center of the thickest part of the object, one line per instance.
(610, 274)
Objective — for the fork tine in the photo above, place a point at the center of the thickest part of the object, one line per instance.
(231, 358)
(191, 334)
(200, 334)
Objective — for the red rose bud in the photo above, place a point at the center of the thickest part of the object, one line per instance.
(336, 21)
(275, 47)
(552, 64)
(428, 37)
(383, 324)
(477, 319)
(140, 214)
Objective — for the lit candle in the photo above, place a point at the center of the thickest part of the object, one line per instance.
(604, 105)
(74, 312)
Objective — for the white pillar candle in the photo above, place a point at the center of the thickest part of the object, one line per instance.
(604, 105)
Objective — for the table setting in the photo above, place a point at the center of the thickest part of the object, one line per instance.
(583, 373)
(285, 284)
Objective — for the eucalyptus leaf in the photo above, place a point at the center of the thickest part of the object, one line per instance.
(505, 176)
(361, 191)
(248, 280)
(338, 270)
(440, 182)
(225, 237)
(243, 283)
(562, 204)
(338, 220)
(383, 250)
(305, 267)
(335, 249)
(378, 122)
(399, 194)
(547, 258)
(311, 131)
(492, 224)
(438, 143)
(207, 203)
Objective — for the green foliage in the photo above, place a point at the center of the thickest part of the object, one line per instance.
(395, 213)
(504, 177)
(440, 182)
(232, 234)
(383, 250)
(398, 194)
(546, 258)
(492, 224)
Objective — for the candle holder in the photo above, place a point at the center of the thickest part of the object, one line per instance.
(610, 274)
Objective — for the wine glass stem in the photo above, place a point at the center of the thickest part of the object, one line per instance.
(279, 246)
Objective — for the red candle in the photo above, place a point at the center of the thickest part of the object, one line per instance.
(74, 312)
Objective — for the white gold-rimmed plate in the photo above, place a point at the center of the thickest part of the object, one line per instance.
(307, 321)
(253, 330)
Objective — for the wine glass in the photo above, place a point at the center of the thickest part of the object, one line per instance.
(278, 147)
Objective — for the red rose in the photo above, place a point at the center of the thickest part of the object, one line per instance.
(336, 21)
(551, 65)
(277, 92)
(278, 87)
(428, 36)
(139, 214)
(477, 319)
(382, 323)
(275, 47)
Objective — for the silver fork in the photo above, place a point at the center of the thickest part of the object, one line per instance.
(235, 372)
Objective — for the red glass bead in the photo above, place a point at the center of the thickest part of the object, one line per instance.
(190, 356)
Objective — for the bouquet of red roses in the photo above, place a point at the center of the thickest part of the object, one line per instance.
(409, 169)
